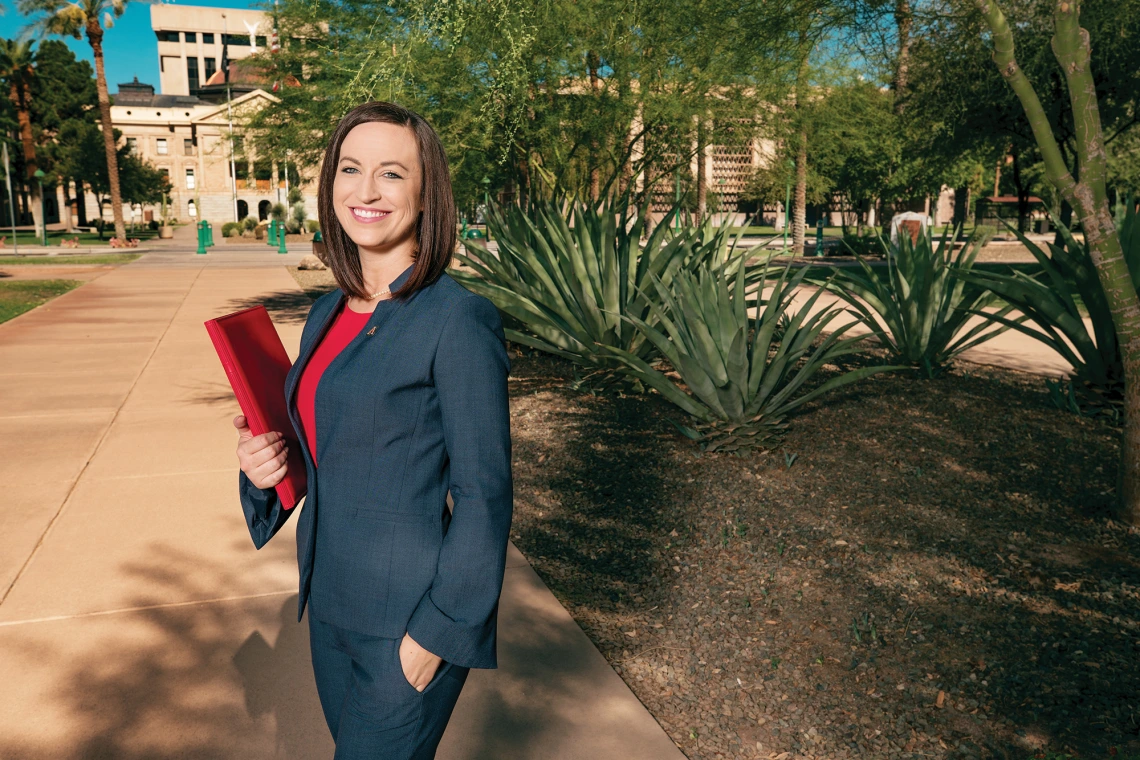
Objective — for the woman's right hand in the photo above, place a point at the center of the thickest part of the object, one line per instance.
(261, 457)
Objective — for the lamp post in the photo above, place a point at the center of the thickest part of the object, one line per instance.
(230, 118)
(39, 175)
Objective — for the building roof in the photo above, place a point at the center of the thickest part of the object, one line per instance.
(138, 93)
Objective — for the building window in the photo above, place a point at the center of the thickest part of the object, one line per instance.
(208, 38)
(191, 36)
(236, 39)
(188, 147)
(192, 73)
(133, 145)
(160, 146)
(211, 67)
(262, 41)
(191, 209)
(165, 36)
(189, 179)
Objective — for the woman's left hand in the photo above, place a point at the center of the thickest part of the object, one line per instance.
(419, 665)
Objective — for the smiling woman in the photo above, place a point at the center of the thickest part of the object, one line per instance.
(385, 181)
(403, 401)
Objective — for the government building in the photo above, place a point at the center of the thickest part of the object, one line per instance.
(184, 129)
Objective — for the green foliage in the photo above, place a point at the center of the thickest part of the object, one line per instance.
(295, 196)
(741, 383)
(1052, 301)
(249, 223)
(923, 303)
(277, 212)
(868, 244)
(232, 229)
(312, 225)
(566, 276)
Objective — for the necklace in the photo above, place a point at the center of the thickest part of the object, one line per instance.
(379, 293)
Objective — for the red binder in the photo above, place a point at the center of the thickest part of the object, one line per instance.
(256, 365)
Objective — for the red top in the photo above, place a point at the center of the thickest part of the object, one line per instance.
(347, 326)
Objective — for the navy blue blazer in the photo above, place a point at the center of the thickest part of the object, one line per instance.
(403, 415)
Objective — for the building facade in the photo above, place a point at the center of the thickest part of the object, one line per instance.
(185, 129)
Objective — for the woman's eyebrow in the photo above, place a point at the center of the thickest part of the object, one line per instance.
(382, 163)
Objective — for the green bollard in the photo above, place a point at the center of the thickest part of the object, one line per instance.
(272, 236)
(209, 235)
(819, 237)
(317, 237)
(281, 240)
(201, 239)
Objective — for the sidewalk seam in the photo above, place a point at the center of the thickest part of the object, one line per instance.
(102, 437)
(145, 608)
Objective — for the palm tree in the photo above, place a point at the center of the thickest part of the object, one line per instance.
(17, 67)
(74, 19)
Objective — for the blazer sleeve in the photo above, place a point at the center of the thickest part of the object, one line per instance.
(456, 618)
(262, 507)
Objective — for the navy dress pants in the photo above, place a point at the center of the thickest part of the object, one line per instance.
(372, 710)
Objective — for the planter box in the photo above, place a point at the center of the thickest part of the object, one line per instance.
(166, 233)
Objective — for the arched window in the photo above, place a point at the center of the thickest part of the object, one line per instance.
(243, 210)
(263, 211)
(191, 209)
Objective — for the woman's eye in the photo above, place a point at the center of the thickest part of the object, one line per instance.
(392, 175)
(348, 169)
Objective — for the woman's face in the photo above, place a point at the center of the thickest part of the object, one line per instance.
(376, 192)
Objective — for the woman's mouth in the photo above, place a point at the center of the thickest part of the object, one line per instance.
(368, 215)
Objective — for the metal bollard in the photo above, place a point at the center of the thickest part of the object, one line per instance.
(272, 236)
(209, 234)
(819, 237)
(281, 239)
(201, 239)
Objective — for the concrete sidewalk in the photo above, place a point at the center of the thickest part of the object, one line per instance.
(137, 620)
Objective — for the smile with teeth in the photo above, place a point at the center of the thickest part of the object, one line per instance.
(368, 214)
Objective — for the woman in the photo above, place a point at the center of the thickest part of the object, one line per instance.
(399, 395)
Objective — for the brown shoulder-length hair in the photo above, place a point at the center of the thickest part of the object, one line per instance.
(435, 232)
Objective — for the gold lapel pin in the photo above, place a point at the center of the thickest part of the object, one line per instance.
(372, 331)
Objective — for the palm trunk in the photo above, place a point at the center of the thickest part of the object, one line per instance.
(1089, 199)
(81, 203)
(702, 172)
(19, 97)
(799, 200)
(903, 22)
(95, 37)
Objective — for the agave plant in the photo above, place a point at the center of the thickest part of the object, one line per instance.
(741, 383)
(1051, 300)
(566, 275)
(919, 308)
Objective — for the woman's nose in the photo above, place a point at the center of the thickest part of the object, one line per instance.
(369, 188)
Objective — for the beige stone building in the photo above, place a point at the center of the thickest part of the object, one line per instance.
(184, 129)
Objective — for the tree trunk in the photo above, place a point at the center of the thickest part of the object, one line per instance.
(95, 37)
(961, 206)
(68, 222)
(1022, 195)
(903, 22)
(799, 199)
(592, 63)
(1089, 199)
(702, 173)
(19, 97)
(81, 203)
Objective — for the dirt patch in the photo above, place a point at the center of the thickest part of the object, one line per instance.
(934, 575)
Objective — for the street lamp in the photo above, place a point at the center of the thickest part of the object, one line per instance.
(39, 175)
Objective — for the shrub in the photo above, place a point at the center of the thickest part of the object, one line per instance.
(295, 196)
(292, 227)
(740, 383)
(249, 223)
(299, 215)
(920, 297)
(312, 225)
(231, 229)
(152, 225)
(1052, 302)
(867, 244)
(278, 211)
(565, 276)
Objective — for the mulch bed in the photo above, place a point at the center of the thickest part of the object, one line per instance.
(936, 574)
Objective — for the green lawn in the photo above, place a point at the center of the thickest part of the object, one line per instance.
(61, 260)
(19, 296)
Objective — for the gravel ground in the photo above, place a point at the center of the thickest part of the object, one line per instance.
(924, 569)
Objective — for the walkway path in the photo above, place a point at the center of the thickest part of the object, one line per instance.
(137, 620)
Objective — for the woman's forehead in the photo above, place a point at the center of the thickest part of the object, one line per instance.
(378, 141)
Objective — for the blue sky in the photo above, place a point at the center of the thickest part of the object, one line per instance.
(129, 49)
